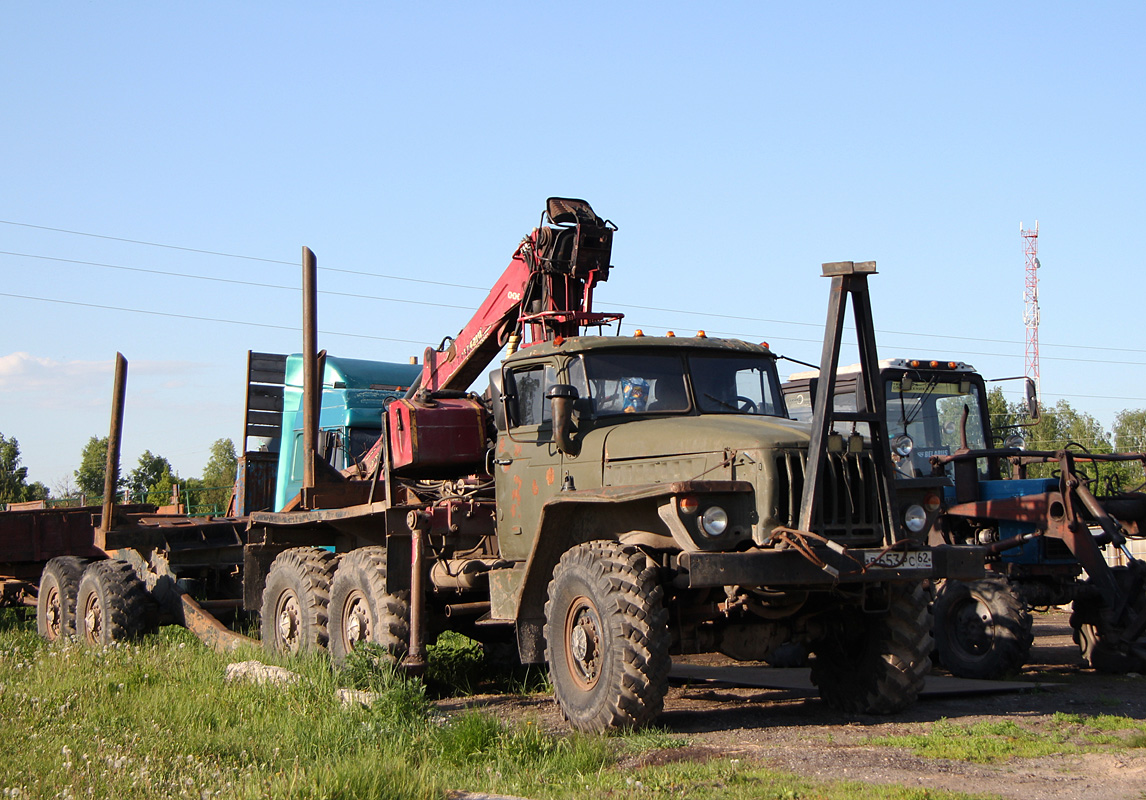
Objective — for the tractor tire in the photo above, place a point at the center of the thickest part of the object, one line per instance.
(1099, 637)
(361, 610)
(293, 618)
(113, 605)
(56, 602)
(982, 629)
(876, 663)
(607, 638)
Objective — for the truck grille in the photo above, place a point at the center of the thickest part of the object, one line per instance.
(849, 500)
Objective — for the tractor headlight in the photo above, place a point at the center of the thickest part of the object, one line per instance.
(915, 518)
(1015, 441)
(714, 521)
(902, 445)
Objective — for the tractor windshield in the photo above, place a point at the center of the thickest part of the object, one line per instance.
(929, 410)
(655, 383)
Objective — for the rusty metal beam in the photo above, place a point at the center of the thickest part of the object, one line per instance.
(114, 438)
(209, 630)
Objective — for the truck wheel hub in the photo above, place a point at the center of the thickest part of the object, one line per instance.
(583, 642)
(53, 613)
(289, 613)
(93, 619)
(357, 618)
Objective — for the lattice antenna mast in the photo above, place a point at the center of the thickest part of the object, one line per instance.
(1031, 302)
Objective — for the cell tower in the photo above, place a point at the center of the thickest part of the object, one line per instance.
(1031, 302)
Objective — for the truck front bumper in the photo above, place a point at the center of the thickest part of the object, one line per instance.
(789, 568)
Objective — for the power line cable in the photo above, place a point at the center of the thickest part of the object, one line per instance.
(234, 281)
(209, 319)
(481, 288)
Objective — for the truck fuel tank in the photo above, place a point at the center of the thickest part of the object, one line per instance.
(437, 436)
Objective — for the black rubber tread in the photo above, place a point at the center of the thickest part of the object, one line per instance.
(364, 571)
(877, 663)
(623, 583)
(306, 573)
(982, 628)
(127, 609)
(61, 576)
(1096, 634)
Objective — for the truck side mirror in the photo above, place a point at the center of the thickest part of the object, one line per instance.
(1032, 401)
(497, 399)
(562, 398)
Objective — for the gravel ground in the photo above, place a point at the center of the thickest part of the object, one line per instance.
(795, 731)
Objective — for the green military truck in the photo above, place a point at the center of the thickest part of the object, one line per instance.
(608, 503)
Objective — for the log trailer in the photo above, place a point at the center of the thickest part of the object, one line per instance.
(608, 502)
(1044, 537)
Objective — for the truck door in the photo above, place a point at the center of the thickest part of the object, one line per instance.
(528, 463)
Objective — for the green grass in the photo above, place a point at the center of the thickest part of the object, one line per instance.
(156, 719)
(991, 742)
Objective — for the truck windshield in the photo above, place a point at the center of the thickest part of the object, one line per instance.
(930, 411)
(647, 383)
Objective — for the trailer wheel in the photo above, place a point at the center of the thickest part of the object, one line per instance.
(876, 663)
(361, 610)
(607, 640)
(113, 605)
(982, 628)
(1098, 635)
(56, 602)
(293, 618)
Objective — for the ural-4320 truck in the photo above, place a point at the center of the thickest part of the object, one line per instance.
(608, 502)
(1039, 533)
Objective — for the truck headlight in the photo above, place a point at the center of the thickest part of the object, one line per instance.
(714, 521)
(915, 518)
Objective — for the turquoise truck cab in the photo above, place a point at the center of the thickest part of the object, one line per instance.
(354, 394)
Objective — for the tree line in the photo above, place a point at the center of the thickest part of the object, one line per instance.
(151, 481)
(1063, 427)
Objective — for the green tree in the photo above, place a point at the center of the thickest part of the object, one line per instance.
(159, 493)
(1062, 427)
(93, 467)
(14, 486)
(1130, 437)
(219, 474)
(146, 476)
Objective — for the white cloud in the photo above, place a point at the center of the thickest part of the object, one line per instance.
(57, 384)
(24, 372)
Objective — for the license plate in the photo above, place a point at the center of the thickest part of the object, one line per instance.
(897, 559)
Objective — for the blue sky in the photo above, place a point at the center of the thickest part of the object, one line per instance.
(737, 146)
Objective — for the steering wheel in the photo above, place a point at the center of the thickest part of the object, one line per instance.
(745, 405)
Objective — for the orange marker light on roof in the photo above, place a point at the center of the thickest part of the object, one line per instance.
(951, 365)
(913, 363)
(638, 332)
(558, 340)
(670, 334)
(934, 364)
(765, 344)
(701, 335)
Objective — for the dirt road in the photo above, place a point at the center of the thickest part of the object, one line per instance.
(793, 730)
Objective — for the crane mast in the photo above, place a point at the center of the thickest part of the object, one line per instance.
(546, 291)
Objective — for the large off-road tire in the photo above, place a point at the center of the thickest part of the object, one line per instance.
(876, 663)
(361, 610)
(1099, 636)
(293, 618)
(607, 640)
(982, 629)
(113, 605)
(56, 601)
